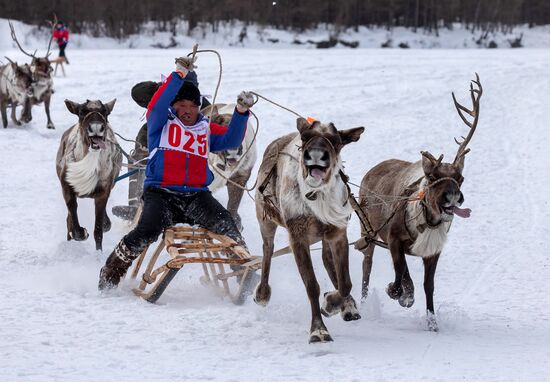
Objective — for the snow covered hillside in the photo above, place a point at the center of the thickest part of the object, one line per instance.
(490, 297)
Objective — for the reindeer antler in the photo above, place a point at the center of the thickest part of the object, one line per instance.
(14, 38)
(475, 93)
(53, 24)
(436, 162)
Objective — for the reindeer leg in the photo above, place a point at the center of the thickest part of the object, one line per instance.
(406, 299)
(262, 294)
(329, 264)
(74, 230)
(47, 99)
(3, 109)
(235, 194)
(430, 264)
(13, 116)
(367, 267)
(394, 289)
(100, 213)
(300, 246)
(340, 300)
(26, 115)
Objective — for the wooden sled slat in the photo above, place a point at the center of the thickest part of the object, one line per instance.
(219, 255)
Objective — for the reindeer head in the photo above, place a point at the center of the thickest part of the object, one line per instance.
(321, 146)
(92, 121)
(443, 180)
(41, 68)
(21, 81)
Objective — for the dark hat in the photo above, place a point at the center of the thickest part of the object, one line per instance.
(144, 91)
(188, 91)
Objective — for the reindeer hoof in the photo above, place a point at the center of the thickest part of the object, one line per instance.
(393, 292)
(332, 304)
(262, 295)
(79, 234)
(319, 335)
(349, 310)
(406, 300)
(50, 126)
(431, 322)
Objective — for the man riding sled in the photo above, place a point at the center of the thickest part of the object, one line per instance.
(177, 174)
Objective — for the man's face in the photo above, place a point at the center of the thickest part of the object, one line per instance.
(187, 111)
(59, 26)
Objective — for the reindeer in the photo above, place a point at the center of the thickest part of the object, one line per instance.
(231, 167)
(15, 89)
(42, 85)
(415, 217)
(88, 161)
(301, 189)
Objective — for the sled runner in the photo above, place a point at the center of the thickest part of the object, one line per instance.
(222, 260)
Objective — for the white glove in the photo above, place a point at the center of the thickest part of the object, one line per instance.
(185, 65)
(245, 100)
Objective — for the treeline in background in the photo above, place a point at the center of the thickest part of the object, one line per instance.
(120, 18)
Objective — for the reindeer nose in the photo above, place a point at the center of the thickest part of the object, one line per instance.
(454, 197)
(316, 156)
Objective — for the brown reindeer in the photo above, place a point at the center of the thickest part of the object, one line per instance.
(15, 89)
(42, 84)
(301, 189)
(88, 161)
(410, 206)
(231, 168)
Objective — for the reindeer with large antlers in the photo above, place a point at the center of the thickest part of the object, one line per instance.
(410, 206)
(42, 84)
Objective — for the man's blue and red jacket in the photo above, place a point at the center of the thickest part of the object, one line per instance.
(177, 170)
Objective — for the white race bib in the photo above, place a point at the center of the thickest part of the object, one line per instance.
(189, 139)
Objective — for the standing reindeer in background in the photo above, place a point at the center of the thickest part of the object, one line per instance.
(42, 85)
(88, 161)
(232, 168)
(301, 189)
(15, 89)
(425, 196)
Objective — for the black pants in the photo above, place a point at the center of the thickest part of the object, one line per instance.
(62, 50)
(163, 208)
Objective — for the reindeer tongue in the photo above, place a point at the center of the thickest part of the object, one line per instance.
(462, 212)
(317, 173)
(98, 141)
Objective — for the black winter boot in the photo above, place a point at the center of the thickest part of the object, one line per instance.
(116, 266)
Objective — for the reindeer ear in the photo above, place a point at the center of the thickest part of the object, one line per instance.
(302, 124)
(73, 107)
(351, 135)
(429, 163)
(214, 111)
(110, 105)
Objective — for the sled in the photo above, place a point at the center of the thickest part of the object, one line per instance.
(228, 268)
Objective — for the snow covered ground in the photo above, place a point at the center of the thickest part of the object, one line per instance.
(494, 313)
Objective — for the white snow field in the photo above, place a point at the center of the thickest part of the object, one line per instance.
(491, 300)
